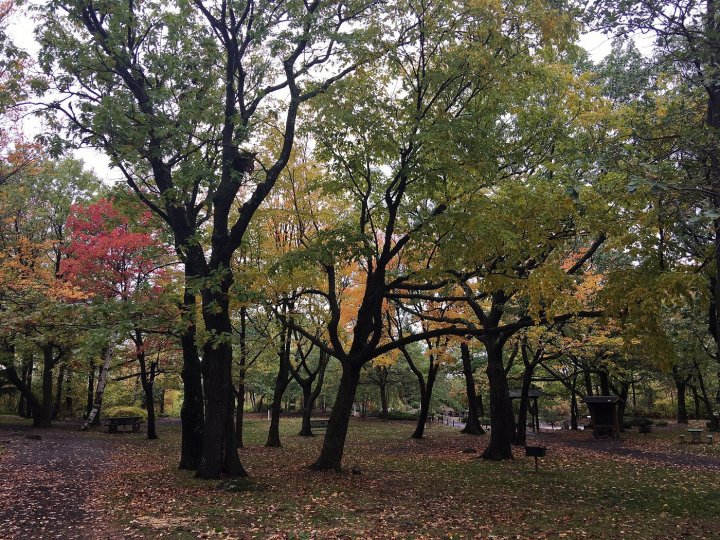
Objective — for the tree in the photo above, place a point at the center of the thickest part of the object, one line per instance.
(687, 50)
(127, 270)
(397, 168)
(177, 100)
(41, 313)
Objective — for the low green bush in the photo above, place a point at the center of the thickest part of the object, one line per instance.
(639, 421)
(115, 412)
(399, 415)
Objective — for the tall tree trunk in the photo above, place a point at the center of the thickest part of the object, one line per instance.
(281, 383)
(305, 429)
(502, 430)
(681, 387)
(220, 450)
(334, 443)
(622, 406)
(192, 413)
(90, 388)
(425, 400)
(310, 395)
(58, 392)
(574, 410)
(472, 425)
(100, 388)
(384, 406)
(24, 408)
(239, 413)
(521, 428)
(147, 381)
(12, 375)
(42, 416)
(68, 394)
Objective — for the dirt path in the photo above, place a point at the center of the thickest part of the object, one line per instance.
(661, 458)
(48, 486)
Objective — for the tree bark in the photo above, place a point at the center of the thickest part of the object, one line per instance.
(239, 413)
(472, 425)
(384, 406)
(192, 411)
(310, 395)
(220, 450)
(90, 388)
(24, 407)
(42, 415)
(281, 383)
(521, 428)
(100, 388)
(242, 368)
(681, 387)
(58, 392)
(147, 381)
(502, 430)
(331, 454)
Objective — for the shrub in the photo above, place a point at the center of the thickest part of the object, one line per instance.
(398, 415)
(115, 412)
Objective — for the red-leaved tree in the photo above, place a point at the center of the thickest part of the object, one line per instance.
(125, 266)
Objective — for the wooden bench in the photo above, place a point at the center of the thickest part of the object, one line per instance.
(320, 424)
(132, 422)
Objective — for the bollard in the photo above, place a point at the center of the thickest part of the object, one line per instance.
(709, 439)
(682, 439)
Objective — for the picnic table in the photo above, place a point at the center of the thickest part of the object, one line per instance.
(132, 422)
(695, 435)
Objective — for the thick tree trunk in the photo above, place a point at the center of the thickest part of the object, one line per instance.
(42, 415)
(682, 415)
(281, 383)
(192, 411)
(501, 413)
(94, 416)
(334, 443)
(425, 400)
(24, 407)
(305, 429)
(58, 392)
(220, 450)
(24, 389)
(273, 438)
(604, 383)
(472, 426)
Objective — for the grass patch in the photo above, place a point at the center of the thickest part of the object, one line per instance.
(417, 489)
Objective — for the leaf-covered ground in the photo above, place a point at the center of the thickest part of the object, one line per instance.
(49, 483)
(641, 487)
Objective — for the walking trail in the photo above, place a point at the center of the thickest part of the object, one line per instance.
(49, 487)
